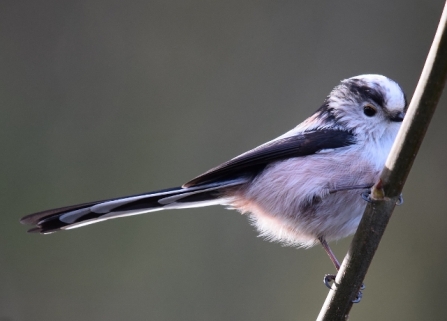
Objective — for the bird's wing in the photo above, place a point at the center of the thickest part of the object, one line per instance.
(299, 145)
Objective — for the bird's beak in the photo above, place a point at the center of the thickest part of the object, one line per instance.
(397, 117)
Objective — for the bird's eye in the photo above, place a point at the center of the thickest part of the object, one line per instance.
(369, 110)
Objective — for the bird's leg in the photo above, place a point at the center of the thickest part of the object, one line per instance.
(366, 195)
(328, 278)
(350, 188)
(329, 253)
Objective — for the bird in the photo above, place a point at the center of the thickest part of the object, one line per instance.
(300, 189)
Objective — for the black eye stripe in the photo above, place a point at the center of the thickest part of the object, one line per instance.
(365, 93)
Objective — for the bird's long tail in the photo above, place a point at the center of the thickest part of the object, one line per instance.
(88, 213)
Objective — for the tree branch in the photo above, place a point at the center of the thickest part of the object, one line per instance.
(386, 191)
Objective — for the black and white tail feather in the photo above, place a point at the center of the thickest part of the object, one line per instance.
(69, 217)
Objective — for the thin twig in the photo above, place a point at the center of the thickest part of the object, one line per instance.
(385, 193)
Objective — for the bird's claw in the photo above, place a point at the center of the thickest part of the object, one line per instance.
(329, 278)
(358, 298)
(367, 197)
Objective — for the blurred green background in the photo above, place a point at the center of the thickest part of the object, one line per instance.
(106, 98)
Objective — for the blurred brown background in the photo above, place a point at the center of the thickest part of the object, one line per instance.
(107, 98)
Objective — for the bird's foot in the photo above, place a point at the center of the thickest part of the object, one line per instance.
(367, 197)
(358, 298)
(329, 281)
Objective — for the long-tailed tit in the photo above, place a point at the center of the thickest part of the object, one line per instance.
(299, 189)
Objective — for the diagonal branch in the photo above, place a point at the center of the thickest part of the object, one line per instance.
(385, 193)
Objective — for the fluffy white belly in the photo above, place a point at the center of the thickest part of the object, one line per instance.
(290, 201)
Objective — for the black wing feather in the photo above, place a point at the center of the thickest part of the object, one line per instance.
(255, 160)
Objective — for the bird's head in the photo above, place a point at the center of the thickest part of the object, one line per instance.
(369, 105)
